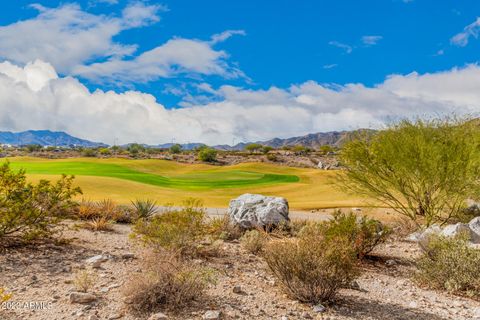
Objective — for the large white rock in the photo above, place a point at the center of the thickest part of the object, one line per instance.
(474, 226)
(453, 230)
(256, 210)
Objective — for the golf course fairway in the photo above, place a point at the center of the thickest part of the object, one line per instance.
(123, 180)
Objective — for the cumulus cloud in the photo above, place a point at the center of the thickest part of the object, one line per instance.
(174, 57)
(33, 96)
(79, 43)
(472, 30)
(371, 40)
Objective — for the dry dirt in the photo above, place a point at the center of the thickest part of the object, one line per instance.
(43, 273)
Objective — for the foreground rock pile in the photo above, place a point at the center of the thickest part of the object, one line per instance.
(471, 229)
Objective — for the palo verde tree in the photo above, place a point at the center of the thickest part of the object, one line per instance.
(423, 169)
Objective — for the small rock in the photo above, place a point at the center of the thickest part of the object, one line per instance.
(96, 261)
(319, 308)
(128, 255)
(93, 317)
(212, 315)
(306, 315)
(284, 318)
(115, 316)
(158, 316)
(34, 278)
(237, 289)
(412, 305)
(82, 297)
(390, 262)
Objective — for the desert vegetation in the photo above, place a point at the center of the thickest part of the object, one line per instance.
(181, 261)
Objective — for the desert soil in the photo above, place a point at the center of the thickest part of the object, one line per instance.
(44, 273)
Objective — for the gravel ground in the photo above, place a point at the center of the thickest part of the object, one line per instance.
(44, 273)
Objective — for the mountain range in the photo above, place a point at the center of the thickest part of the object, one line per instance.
(62, 139)
(45, 138)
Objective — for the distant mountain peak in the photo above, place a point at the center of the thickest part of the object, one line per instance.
(45, 138)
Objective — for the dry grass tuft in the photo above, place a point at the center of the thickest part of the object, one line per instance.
(167, 282)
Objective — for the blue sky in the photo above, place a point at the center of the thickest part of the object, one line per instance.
(327, 61)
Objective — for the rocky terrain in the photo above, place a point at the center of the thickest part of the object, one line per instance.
(41, 280)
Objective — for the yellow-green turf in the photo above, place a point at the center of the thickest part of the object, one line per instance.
(123, 180)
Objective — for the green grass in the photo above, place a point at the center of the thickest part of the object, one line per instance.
(201, 179)
(170, 182)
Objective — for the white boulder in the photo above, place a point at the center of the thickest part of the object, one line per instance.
(255, 210)
(474, 226)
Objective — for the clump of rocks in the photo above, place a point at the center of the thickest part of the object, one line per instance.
(471, 229)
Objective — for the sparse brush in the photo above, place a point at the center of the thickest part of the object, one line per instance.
(363, 233)
(450, 264)
(175, 229)
(222, 228)
(166, 282)
(84, 280)
(311, 268)
(254, 241)
(99, 224)
(126, 214)
(108, 209)
(144, 209)
(87, 210)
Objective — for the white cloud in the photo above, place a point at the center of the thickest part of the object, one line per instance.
(220, 37)
(472, 30)
(79, 43)
(34, 97)
(330, 66)
(172, 58)
(371, 40)
(346, 47)
(67, 36)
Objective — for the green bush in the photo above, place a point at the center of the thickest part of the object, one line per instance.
(175, 149)
(89, 153)
(178, 230)
(32, 211)
(312, 268)
(450, 264)
(423, 169)
(363, 233)
(207, 154)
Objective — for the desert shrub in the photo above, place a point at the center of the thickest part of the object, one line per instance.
(175, 229)
(254, 241)
(89, 153)
(87, 210)
(175, 149)
(363, 233)
(272, 157)
(207, 154)
(144, 209)
(33, 211)
(450, 264)
(423, 169)
(166, 282)
(84, 280)
(125, 214)
(99, 224)
(223, 228)
(253, 147)
(106, 209)
(312, 268)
